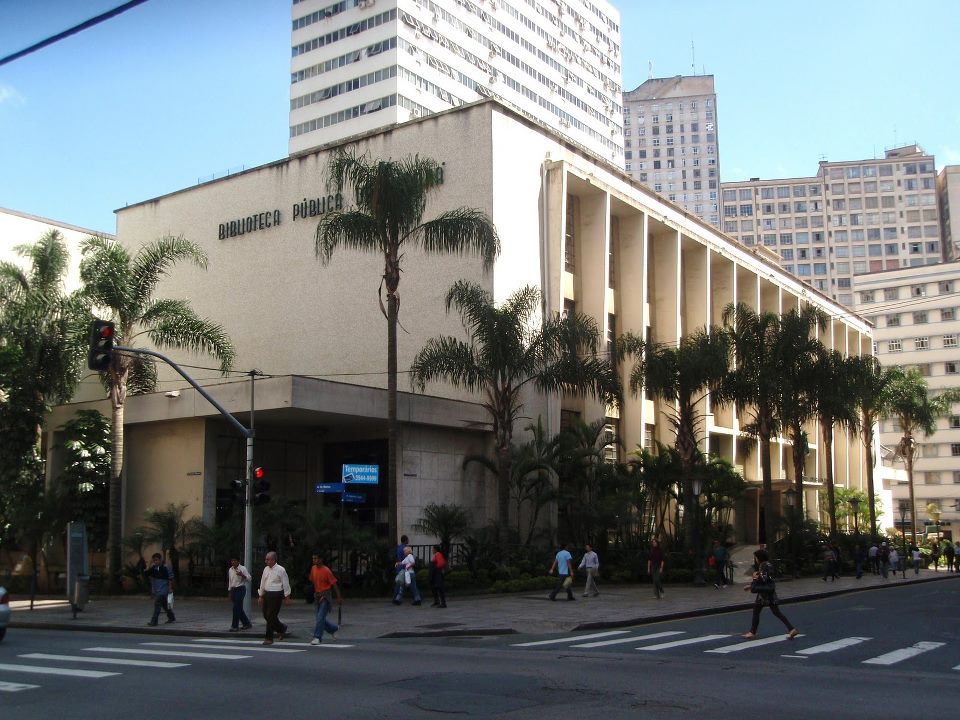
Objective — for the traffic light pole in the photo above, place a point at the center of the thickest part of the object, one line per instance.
(246, 432)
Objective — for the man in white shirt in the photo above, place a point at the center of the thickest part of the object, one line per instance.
(591, 565)
(274, 592)
(237, 578)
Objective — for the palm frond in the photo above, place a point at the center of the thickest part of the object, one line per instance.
(449, 359)
(154, 260)
(187, 331)
(461, 231)
(353, 230)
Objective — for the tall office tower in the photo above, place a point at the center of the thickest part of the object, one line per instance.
(852, 217)
(364, 64)
(948, 197)
(916, 325)
(670, 141)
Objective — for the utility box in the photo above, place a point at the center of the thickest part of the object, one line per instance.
(78, 567)
(81, 592)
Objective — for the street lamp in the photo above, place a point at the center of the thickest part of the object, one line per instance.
(855, 506)
(790, 495)
(696, 484)
(904, 504)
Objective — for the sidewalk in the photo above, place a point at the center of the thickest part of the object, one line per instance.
(527, 613)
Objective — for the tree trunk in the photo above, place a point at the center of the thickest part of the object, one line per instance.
(799, 462)
(868, 446)
(393, 511)
(831, 496)
(115, 525)
(908, 456)
(766, 475)
(504, 467)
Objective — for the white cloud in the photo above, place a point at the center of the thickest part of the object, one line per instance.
(10, 96)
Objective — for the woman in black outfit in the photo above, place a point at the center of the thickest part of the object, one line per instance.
(765, 596)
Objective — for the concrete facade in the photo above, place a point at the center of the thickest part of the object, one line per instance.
(948, 197)
(851, 218)
(671, 142)
(364, 64)
(914, 311)
(570, 224)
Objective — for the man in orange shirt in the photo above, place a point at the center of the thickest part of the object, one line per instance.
(324, 582)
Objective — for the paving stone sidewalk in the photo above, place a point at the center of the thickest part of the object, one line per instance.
(527, 613)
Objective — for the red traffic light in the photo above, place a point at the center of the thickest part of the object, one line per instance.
(258, 473)
(106, 332)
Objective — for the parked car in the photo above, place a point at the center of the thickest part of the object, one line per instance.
(4, 611)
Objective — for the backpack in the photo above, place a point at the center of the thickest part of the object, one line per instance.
(764, 582)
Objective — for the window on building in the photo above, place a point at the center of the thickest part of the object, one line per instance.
(955, 422)
(894, 346)
(945, 286)
(955, 449)
(950, 368)
(918, 291)
(947, 314)
(920, 317)
(893, 320)
(867, 296)
(921, 343)
(570, 239)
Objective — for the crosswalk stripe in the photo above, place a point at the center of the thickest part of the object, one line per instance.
(680, 643)
(831, 646)
(104, 661)
(896, 656)
(632, 638)
(41, 670)
(173, 653)
(228, 647)
(228, 641)
(749, 644)
(575, 638)
(15, 687)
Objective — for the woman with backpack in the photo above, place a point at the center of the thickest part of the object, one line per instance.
(766, 592)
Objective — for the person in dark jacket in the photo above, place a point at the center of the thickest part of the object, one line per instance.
(161, 585)
(438, 566)
(766, 593)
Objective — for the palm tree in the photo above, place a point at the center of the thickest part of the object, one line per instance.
(391, 198)
(797, 348)
(681, 377)
(41, 342)
(757, 382)
(871, 384)
(121, 286)
(445, 522)
(916, 412)
(836, 407)
(506, 352)
(660, 474)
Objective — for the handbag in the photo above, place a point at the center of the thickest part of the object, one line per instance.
(170, 600)
(759, 586)
(398, 581)
(567, 582)
(407, 577)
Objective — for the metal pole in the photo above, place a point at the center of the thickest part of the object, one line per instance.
(248, 507)
(343, 507)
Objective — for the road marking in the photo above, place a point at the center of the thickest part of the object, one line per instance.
(749, 644)
(896, 656)
(632, 638)
(681, 643)
(15, 687)
(40, 670)
(225, 641)
(227, 647)
(557, 641)
(831, 646)
(45, 604)
(797, 657)
(105, 661)
(174, 653)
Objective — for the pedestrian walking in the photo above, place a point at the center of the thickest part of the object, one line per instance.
(655, 567)
(829, 564)
(324, 582)
(160, 576)
(948, 555)
(590, 564)
(956, 556)
(438, 566)
(237, 578)
(274, 593)
(884, 555)
(917, 558)
(858, 558)
(873, 554)
(406, 577)
(894, 560)
(563, 564)
(718, 560)
(935, 554)
(764, 588)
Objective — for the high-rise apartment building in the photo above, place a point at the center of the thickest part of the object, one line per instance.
(851, 218)
(670, 141)
(914, 312)
(948, 196)
(364, 64)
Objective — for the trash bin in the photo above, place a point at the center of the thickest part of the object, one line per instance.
(81, 592)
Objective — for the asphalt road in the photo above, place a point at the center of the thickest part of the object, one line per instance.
(882, 653)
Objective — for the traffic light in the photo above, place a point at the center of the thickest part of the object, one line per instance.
(101, 345)
(261, 486)
(239, 490)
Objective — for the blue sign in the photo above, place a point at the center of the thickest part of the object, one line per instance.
(361, 474)
(328, 487)
(349, 497)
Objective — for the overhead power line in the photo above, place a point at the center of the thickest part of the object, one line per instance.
(72, 31)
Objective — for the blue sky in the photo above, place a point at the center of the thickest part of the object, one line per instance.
(175, 91)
